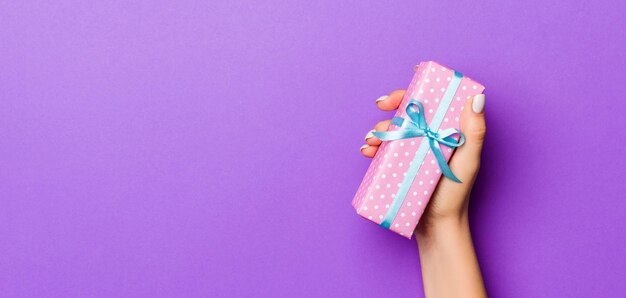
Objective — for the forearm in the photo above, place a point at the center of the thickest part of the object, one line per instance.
(448, 259)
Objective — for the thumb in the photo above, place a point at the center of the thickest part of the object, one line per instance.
(466, 159)
(473, 124)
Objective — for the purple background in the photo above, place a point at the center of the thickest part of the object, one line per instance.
(210, 148)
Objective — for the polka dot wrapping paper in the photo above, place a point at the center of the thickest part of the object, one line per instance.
(383, 178)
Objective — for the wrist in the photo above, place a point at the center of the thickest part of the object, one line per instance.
(447, 257)
(435, 229)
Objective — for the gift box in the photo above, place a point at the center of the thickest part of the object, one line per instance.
(413, 156)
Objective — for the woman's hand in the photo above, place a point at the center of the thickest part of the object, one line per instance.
(449, 265)
(450, 199)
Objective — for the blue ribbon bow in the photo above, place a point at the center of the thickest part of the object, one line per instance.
(417, 127)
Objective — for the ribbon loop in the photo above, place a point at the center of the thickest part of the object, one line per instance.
(416, 126)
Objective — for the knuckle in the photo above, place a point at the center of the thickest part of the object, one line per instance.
(477, 133)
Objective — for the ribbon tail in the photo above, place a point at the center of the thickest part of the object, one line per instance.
(397, 121)
(441, 160)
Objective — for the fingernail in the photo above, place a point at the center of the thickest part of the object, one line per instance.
(369, 134)
(382, 98)
(478, 105)
(363, 147)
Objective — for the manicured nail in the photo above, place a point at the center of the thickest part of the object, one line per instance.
(382, 98)
(364, 146)
(369, 134)
(478, 105)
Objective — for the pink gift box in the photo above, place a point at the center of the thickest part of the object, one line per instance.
(380, 197)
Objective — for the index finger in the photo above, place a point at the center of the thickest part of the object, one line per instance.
(390, 102)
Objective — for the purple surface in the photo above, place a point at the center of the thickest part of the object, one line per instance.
(210, 148)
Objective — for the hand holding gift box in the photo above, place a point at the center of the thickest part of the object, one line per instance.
(422, 136)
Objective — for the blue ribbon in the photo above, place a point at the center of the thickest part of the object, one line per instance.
(416, 126)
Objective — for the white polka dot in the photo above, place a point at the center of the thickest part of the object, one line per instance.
(419, 202)
(406, 153)
(456, 119)
(432, 181)
(380, 216)
(427, 172)
(464, 87)
(443, 89)
(443, 69)
(427, 80)
(402, 214)
(452, 109)
(426, 192)
(437, 79)
(474, 87)
(433, 69)
(365, 208)
(413, 213)
(425, 100)
(383, 176)
(376, 207)
(382, 196)
(458, 98)
(412, 143)
(432, 161)
(415, 193)
(371, 197)
(437, 171)
(400, 164)
(377, 186)
(395, 154)
(432, 90)
(408, 224)
(448, 79)
(436, 99)
(421, 182)
(394, 175)
(420, 91)
(430, 111)
(387, 206)
(389, 165)
(408, 204)
(369, 217)
(388, 185)
(397, 225)
(401, 144)
(445, 119)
